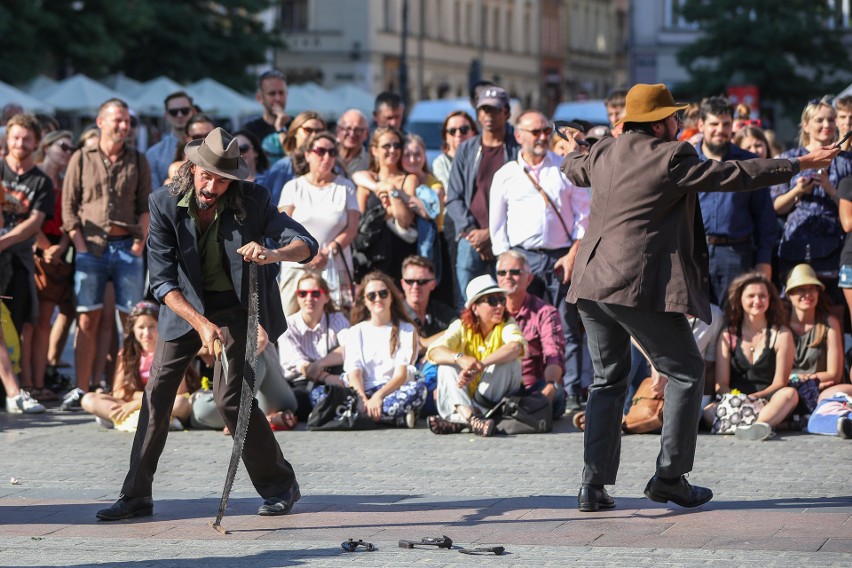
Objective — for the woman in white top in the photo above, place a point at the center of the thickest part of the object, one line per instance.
(379, 350)
(325, 204)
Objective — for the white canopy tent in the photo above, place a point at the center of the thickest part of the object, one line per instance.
(351, 96)
(39, 85)
(216, 99)
(149, 100)
(9, 95)
(311, 96)
(81, 95)
(123, 84)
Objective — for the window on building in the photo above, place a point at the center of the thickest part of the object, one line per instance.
(294, 15)
(672, 17)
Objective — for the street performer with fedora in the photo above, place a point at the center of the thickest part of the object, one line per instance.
(641, 268)
(207, 225)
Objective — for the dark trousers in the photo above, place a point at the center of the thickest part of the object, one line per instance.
(726, 263)
(270, 473)
(548, 286)
(667, 339)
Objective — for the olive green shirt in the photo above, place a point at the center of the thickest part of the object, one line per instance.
(213, 267)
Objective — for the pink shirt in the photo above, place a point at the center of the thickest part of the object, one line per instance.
(542, 328)
(145, 361)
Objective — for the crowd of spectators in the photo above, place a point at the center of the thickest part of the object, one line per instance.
(438, 289)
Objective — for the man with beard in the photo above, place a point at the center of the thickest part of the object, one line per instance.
(741, 227)
(272, 95)
(535, 210)
(206, 226)
(642, 266)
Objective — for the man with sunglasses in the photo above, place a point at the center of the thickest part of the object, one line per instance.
(535, 210)
(474, 165)
(178, 110)
(642, 267)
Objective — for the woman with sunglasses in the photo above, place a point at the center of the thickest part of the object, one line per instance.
(479, 358)
(457, 127)
(324, 203)
(310, 348)
(256, 158)
(291, 164)
(380, 349)
(812, 230)
(54, 266)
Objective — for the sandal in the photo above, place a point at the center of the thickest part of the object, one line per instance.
(440, 426)
(282, 421)
(481, 426)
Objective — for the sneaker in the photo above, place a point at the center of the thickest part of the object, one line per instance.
(103, 423)
(844, 428)
(756, 432)
(72, 400)
(410, 419)
(23, 403)
(176, 425)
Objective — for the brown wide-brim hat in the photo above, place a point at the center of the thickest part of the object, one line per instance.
(218, 153)
(649, 103)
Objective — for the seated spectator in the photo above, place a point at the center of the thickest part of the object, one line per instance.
(324, 203)
(479, 360)
(379, 350)
(310, 348)
(121, 407)
(430, 316)
(817, 335)
(754, 355)
(292, 165)
(544, 363)
(256, 158)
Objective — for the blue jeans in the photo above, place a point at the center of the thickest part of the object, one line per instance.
(726, 263)
(469, 265)
(116, 263)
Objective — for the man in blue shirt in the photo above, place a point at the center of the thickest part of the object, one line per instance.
(741, 227)
(179, 109)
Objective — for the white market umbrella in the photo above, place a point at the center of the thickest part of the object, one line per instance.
(351, 96)
(9, 94)
(216, 99)
(149, 100)
(81, 95)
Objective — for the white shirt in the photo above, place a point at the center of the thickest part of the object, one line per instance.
(518, 215)
(367, 347)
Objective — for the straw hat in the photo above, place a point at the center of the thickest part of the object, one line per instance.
(803, 275)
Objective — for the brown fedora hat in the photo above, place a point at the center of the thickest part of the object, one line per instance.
(649, 103)
(218, 153)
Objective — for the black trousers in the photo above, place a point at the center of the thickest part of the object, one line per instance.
(270, 473)
(667, 339)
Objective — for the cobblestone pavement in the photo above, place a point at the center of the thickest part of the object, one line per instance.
(785, 502)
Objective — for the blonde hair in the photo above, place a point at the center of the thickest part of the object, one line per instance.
(811, 110)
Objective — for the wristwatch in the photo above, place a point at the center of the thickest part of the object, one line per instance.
(458, 356)
(394, 193)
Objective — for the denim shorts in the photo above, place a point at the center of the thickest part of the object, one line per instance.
(116, 263)
(845, 276)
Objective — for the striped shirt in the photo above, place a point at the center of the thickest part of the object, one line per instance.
(301, 344)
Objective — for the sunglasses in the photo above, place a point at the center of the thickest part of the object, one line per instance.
(418, 281)
(65, 147)
(383, 294)
(244, 148)
(321, 151)
(198, 137)
(461, 130)
(310, 130)
(389, 145)
(538, 131)
(174, 112)
(512, 271)
(315, 293)
(493, 301)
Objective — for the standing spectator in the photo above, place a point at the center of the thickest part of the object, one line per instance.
(179, 109)
(352, 132)
(615, 107)
(105, 212)
(272, 125)
(812, 231)
(542, 366)
(388, 110)
(843, 105)
(254, 156)
(292, 165)
(28, 201)
(55, 257)
(535, 210)
(457, 127)
(474, 166)
(741, 227)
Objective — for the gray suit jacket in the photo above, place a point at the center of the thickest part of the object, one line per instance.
(645, 246)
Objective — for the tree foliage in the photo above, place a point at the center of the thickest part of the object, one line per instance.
(182, 39)
(787, 49)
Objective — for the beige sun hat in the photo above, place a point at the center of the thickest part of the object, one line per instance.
(803, 275)
(218, 153)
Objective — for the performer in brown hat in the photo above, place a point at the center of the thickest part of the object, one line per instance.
(205, 225)
(641, 268)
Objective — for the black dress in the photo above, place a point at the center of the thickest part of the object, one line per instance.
(749, 378)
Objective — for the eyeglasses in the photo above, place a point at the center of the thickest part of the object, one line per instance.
(174, 112)
(383, 294)
(389, 145)
(315, 293)
(417, 281)
(461, 130)
(321, 151)
(538, 131)
(512, 271)
(355, 129)
(310, 130)
(493, 300)
(244, 148)
(65, 146)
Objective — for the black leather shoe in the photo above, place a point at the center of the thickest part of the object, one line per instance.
(280, 504)
(127, 507)
(680, 493)
(592, 499)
